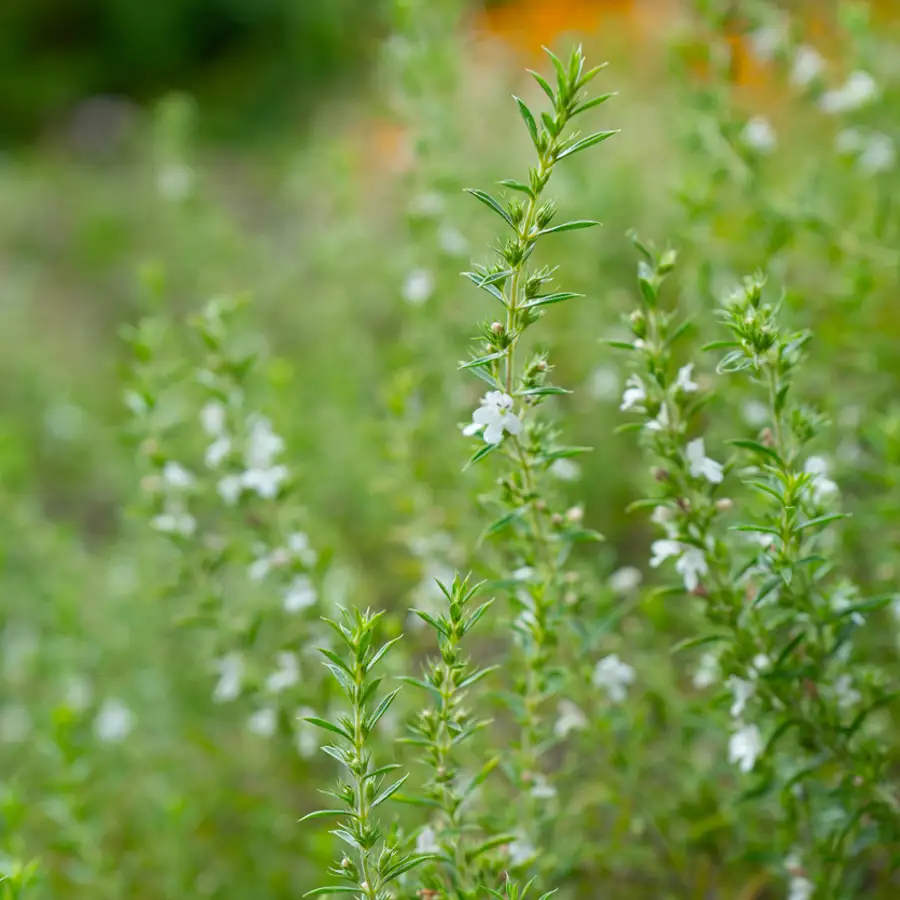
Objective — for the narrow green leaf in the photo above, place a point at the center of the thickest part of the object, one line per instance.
(756, 447)
(498, 840)
(323, 813)
(545, 85)
(335, 889)
(387, 792)
(550, 298)
(482, 360)
(426, 617)
(820, 520)
(617, 345)
(702, 640)
(476, 677)
(543, 390)
(384, 649)
(381, 709)
(754, 529)
(528, 119)
(719, 345)
(411, 862)
(592, 139)
(516, 186)
(328, 726)
(491, 203)
(568, 226)
(500, 524)
(477, 280)
(562, 78)
(590, 104)
(480, 454)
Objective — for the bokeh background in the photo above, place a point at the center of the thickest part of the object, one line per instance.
(312, 155)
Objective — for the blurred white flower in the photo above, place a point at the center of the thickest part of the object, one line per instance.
(665, 518)
(263, 722)
(821, 487)
(879, 155)
(300, 595)
(765, 42)
(231, 676)
(175, 181)
(265, 482)
(418, 286)
(136, 404)
(78, 693)
(663, 550)
(849, 141)
(857, 91)
(217, 452)
(114, 722)
(707, 672)
(229, 489)
(521, 851)
(800, 888)
(570, 718)
(565, 470)
(807, 66)
(306, 736)
(755, 413)
(212, 418)
(684, 382)
(741, 691)
(541, 788)
(495, 416)
(427, 205)
(744, 747)
(761, 663)
(452, 241)
(700, 465)
(625, 580)
(176, 476)
(286, 675)
(759, 135)
(661, 422)
(634, 394)
(603, 383)
(426, 841)
(299, 545)
(691, 562)
(846, 694)
(613, 676)
(175, 520)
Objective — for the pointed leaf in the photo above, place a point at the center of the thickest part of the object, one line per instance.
(528, 119)
(590, 104)
(568, 226)
(491, 203)
(328, 726)
(592, 139)
(550, 298)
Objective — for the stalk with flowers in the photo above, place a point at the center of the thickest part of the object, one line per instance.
(805, 713)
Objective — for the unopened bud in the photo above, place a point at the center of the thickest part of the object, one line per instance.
(572, 578)
(540, 506)
(638, 323)
(725, 504)
(766, 437)
(541, 365)
(570, 598)
(345, 863)
(497, 328)
(556, 519)
(575, 515)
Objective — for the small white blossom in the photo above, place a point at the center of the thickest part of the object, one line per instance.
(541, 788)
(176, 476)
(565, 470)
(759, 135)
(744, 747)
(427, 205)
(661, 422)
(298, 543)
(286, 675)
(846, 694)
(263, 722)
(174, 520)
(266, 482)
(418, 286)
(212, 418)
(263, 445)
(765, 42)
(634, 395)
(849, 142)
(663, 550)
(707, 672)
(495, 416)
(306, 736)
(692, 567)
(821, 487)
(755, 413)
(625, 580)
(229, 489)
(426, 842)
(665, 518)
(879, 155)
(78, 693)
(521, 851)
(217, 452)
(700, 465)
(741, 691)
(570, 719)
(613, 676)
(175, 182)
(452, 241)
(231, 675)
(114, 722)
(807, 66)
(800, 888)
(300, 595)
(684, 382)
(857, 91)
(761, 663)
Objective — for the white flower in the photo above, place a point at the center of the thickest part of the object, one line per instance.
(625, 580)
(427, 205)
(692, 566)
(418, 286)
(707, 672)
(741, 691)
(613, 676)
(263, 445)
(683, 381)
(136, 404)
(603, 383)
(765, 42)
(426, 842)
(759, 135)
(846, 694)
(212, 418)
(114, 722)
(800, 888)
(857, 91)
(298, 543)
(565, 470)
(661, 421)
(451, 241)
(229, 489)
(286, 675)
(217, 451)
(849, 142)
(570, 719)
(821, 487)
(262, 723)
(176, 476)
(700, 465)
(495, 416)
(231, 674)
(78, 693)
(306, 735)
(755, 412)
(541, 788)
(521, 851)
(878, 155)
(634, 394)
(175, 182)
(807, 66)
(300, 595)
(663, 550)
(266, 482)
(174, 521)
(744, 747)
(665, 518)
(761, 663)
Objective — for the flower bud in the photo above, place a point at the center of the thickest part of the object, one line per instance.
(497, 328)
(575, 515)
(725, 504)
(556, 519)
(638, 323)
